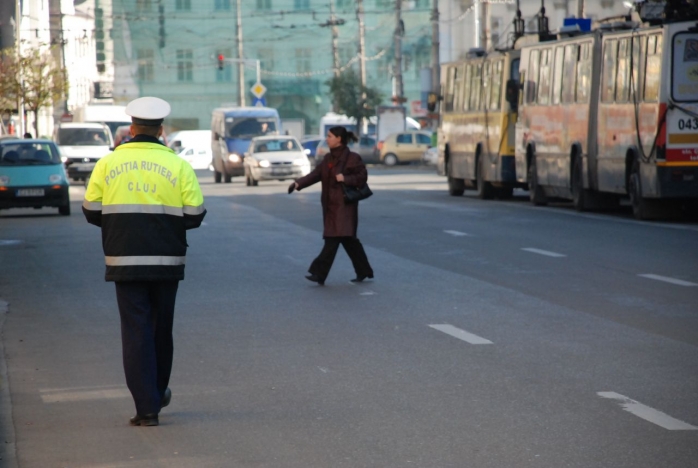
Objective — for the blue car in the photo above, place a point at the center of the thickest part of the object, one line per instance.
(32, 175)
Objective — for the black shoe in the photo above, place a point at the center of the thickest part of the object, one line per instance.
(315, 279)
(165, 400)
(144, 420)
(360, 278)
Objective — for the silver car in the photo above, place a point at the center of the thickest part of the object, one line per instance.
(275, 157)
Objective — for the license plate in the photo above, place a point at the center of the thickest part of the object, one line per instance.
(83, 167)
(30, 192)
(281, 171)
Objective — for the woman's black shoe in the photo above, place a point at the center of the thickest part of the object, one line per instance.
(360, 278)
(315, 279)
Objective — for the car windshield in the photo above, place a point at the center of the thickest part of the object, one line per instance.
(82, 137)
(27, 154)
(265, 146)
(249, 127)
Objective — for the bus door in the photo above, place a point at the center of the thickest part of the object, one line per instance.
(682, 120)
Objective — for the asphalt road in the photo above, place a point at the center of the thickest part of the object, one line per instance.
(495, 334)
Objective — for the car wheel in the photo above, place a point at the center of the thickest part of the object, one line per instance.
(390, 159)
(64, 210)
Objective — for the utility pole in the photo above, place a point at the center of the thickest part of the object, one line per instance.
(20, 100)
(333, 23)
(241, 63)
(580, 9)
(484, 22)
(399, 31)
(435, 44)
(362, 42)
(478, 27)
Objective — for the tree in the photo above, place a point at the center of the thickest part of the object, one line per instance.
(35, 76)
(353, 99)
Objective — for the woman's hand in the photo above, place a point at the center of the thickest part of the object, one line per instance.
(340, 177)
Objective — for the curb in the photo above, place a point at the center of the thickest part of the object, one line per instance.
(8, 454)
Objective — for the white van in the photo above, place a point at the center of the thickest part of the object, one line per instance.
(194, 146)
(81, 145)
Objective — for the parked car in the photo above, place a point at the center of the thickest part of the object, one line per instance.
(366, 148)
(81, 146)
(275, 157)
(198, 157)
(404, 147)
(430, 157)
(32, 175)
(311, 145)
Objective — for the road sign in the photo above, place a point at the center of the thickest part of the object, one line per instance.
(259, 102)
(258, 90)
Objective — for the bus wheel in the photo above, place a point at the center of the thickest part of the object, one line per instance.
(642, 207)
(456, 187)
(484, 188)
(580, 197)
(535, 191)
(217, 177)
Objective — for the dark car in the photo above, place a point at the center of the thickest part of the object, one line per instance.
(311, 144)
(366, 148)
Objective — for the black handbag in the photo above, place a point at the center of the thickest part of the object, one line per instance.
(355, 194)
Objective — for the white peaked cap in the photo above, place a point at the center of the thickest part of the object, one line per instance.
(148, 108)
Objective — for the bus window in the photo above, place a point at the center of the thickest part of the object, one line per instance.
(531, 84)
(635, 70)
(486, 85)
(653, 65)
(458, 89)
(466, 86)
(609, 71)
(584, 73)
(495, 101)
(475, 87)
(544, 81)
(448, 98)
(515, 69)
(623, 71)
(557, 74)
(569, 72)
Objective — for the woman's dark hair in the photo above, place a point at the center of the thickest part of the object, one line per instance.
(344, 134)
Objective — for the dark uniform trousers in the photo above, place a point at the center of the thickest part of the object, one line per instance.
(323, 263)
(147, 315)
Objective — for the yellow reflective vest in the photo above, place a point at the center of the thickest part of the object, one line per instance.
(144, 197)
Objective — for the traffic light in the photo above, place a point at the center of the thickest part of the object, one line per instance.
(221, 59)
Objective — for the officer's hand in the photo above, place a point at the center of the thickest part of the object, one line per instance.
(292, 187)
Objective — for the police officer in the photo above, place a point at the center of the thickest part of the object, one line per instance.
(145, 197)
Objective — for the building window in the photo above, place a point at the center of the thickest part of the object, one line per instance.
(264, 4)
(185, 65)
(145, 64)
(303, 60)
(144, 5)
(301, 4)
(181, 5)
(225, 75)
(266, 57)
(221, 5)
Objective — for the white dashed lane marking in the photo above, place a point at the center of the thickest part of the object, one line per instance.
(667, 279)
(460, 334)
(457, 233)
(648, 414)
(547, 253)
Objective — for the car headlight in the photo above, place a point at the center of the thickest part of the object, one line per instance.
(300, 162)
(55, 178)
(264, 163)
(234, 158)
(64, 159)
(4, 180)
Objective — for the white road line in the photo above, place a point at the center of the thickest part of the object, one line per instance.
(457, 233)
(367, 293)
(544, 252)
(83, 395)
(667, 279)
(460, 334)
(648, 414)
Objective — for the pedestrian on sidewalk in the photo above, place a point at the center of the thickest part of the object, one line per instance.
(145, 197)
(341, 220)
